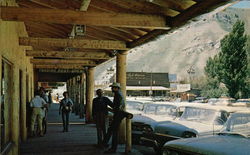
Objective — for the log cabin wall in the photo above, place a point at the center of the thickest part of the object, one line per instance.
(14, 65)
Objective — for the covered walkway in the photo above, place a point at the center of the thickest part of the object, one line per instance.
(81, 138)
(63, 41)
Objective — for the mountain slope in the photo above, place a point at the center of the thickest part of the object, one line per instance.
(187, 48)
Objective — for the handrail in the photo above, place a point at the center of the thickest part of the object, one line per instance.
(7, 148)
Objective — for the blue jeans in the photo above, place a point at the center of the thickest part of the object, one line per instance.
(65, 119)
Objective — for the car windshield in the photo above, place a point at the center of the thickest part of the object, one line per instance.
(238, 123)
(168, 110)
(150, 109)
(206, 116)
(134, 105)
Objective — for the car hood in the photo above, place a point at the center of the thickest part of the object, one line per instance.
(216, 145)
(142, 119)
(177, 127)
(134, 112)
(151, 120)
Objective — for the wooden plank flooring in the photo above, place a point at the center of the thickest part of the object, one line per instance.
(81, 139)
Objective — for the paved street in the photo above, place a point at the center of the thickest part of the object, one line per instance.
(81, 139)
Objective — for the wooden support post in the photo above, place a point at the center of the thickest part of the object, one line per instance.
(35, 81)
(90, 93)
(121, 78)
(67, 86)
(15, 110)
(74, 94)
(82, 91)
(23, 110)
(78, 95)
(128, 136)
(71, 87)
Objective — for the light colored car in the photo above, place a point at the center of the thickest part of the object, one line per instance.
(134, 107)
(242, 103)
(196, 120)
(223, 101)
(234, 139)
(153, 113)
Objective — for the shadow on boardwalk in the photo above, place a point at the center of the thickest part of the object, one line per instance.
(80, 139)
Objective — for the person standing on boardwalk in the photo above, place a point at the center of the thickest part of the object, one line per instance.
(100, 113)
(65, 108)
(119, 114)
(45, 110)
(37, 103)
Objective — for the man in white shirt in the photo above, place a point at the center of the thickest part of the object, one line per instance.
(37, 103)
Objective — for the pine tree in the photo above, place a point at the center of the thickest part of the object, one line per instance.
(233, 60)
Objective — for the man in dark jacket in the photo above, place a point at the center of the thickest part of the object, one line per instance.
(119, 114)
(100, 113)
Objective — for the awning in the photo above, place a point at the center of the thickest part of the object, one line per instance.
(140, 88)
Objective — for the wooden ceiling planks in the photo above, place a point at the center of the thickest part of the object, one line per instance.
(174, 13)
(108, 32)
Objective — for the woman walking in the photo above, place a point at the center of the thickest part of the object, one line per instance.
(65, 108)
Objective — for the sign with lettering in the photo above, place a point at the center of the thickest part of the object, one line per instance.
(49, 70)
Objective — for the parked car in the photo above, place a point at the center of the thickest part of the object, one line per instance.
(196, 121)
(242, 102)
(222, 101)
(152, 114)
(234, 139)
(134, 107)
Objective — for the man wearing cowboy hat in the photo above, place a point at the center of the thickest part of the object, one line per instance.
(118, 108)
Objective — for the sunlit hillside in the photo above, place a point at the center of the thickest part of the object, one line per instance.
(187, 48)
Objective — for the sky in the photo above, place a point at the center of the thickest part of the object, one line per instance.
(242, 4)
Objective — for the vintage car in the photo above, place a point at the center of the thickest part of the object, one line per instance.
(222, 101)
(196, 121)
(134, 107)
(154, 113)
(234, 139)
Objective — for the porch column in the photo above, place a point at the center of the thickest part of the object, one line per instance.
(67, 85)
(15, 110)
(35, 80)
(90, 93)
(74, 95)
(121, 66)
(23, 109)
(82, 95)
(78, 94)
(70, 89)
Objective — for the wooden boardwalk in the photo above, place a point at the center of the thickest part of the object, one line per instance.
(81, 139)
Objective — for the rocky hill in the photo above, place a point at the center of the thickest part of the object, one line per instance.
(189, 47)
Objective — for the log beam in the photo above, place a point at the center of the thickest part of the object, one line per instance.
(62, 54)
(63, 62)
(85, 5)
(74, 43)
(51, 66)
(195, 10)
(61, 16)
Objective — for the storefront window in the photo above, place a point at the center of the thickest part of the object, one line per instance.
(5, 102)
